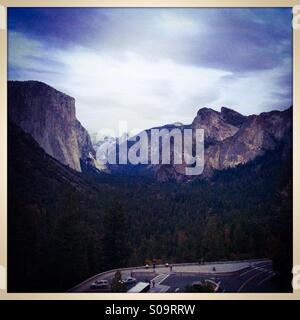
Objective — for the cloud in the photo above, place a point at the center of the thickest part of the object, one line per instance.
(155, 66)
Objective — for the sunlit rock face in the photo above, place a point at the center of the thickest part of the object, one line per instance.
(232, 139)
(257, 134)
(49, 117)
(215, 127)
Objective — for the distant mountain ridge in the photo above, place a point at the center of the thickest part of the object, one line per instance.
(231, 138)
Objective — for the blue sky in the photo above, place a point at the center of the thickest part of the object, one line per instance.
(155, 66)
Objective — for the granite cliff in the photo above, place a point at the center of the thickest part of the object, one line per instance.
(231, 139)
(48, 115)
(256, 135)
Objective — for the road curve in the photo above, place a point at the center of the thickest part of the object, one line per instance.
(235, 276)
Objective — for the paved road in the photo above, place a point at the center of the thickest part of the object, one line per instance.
(242, 276)
(252, 279)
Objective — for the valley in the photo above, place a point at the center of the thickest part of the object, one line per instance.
(69, 218)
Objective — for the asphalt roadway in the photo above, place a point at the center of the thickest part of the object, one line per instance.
(237, 277)
(251, 279)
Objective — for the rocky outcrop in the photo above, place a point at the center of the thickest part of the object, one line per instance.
(215, 127)
(232, 139)
(232, 117)
(30, 165)
(48, 115)
(258, 134)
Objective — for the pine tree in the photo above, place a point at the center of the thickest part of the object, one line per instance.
(116, 251)
(117, 284)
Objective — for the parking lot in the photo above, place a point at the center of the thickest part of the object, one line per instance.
(231, 277)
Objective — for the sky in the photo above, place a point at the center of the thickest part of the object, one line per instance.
(151, 67)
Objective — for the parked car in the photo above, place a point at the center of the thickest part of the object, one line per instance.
(100, 284)
(147, 266)
(129, 280)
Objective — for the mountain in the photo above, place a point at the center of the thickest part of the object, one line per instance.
(48, 115)
(102, 144)
(230, 139)
(216, 128)
(256, 135)
(28, 156)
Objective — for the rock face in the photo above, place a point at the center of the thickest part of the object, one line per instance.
(49, 117)
(215, 127)
(258, 134)
(230, 139)
(29, 163)
(232, 117)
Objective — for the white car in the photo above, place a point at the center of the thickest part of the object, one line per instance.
(100, 284)
(129, 280)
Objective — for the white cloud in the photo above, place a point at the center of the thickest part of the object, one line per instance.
(178, 24)
(20, 48)
(131, 87)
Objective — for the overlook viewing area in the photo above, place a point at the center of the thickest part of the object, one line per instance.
(233, 276)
